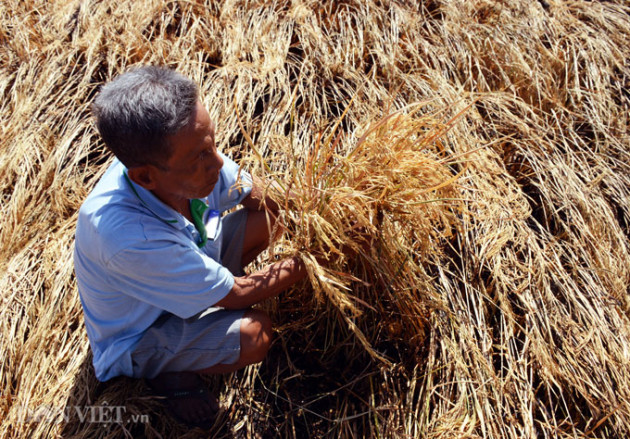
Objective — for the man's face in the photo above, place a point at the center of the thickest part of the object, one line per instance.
(193, 168)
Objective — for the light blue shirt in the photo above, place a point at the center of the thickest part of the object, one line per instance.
(136, 258)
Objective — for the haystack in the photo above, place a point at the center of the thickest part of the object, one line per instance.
(455, 175)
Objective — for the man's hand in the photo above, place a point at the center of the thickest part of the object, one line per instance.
(257, 200)
(263, 284)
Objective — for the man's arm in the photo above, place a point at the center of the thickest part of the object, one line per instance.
(273, 279)
(263, 284)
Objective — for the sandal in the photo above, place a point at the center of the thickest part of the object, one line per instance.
(172, 397)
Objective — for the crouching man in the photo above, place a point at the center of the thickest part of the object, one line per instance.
(159, 266)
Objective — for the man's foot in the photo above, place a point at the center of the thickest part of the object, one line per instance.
(187, 398)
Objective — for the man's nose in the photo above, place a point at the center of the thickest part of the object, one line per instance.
(216, 162)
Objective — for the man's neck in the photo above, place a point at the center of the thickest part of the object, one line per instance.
(181, 205)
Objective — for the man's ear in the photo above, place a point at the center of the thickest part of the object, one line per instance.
(143, 175)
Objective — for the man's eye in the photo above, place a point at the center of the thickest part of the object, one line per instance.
(206, 153)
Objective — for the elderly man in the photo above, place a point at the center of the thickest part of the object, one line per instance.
(158, 265)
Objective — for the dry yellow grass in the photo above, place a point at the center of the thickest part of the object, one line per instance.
(474, 154)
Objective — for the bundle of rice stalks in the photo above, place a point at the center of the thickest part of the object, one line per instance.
(368, 215)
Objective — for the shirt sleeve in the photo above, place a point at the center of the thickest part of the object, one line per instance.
(236, 184)
(170, 276)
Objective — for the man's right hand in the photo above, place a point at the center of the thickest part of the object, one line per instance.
(263, 284)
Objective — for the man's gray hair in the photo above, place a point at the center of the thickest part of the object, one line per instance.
(137, 112)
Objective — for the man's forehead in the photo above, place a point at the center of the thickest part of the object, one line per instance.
(202, 118)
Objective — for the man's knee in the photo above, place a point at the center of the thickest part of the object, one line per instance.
(255, 336)
(256, 238)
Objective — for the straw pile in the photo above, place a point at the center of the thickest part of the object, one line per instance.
(456, 176)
